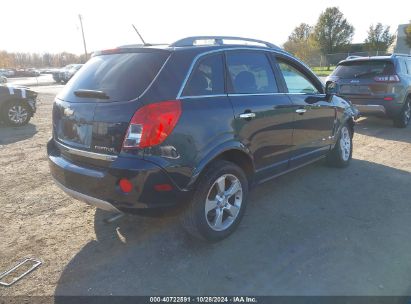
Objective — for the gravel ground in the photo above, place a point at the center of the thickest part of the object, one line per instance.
(316, 231)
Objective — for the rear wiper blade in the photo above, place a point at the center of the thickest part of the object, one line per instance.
(91, 94)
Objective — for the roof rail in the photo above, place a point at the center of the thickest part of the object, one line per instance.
(353, 57)
(218, 40)
(399, 54)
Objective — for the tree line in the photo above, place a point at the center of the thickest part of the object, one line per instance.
(36, 60)
(333, 33)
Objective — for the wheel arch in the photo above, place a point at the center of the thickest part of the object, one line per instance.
(232, 152)
(14, 99)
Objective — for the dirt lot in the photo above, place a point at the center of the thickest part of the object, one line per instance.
(317, 231)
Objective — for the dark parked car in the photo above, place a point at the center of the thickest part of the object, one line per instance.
(67, 74)
(17, 105)
(158, 127)
(379, 85)
(59, 74)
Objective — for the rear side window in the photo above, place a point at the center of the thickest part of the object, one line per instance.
(409, 66)
(122, 77)
(364, 69)
(207, 77)
(251, 73)
(402, 64)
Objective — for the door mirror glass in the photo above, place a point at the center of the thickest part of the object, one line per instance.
(331, 88)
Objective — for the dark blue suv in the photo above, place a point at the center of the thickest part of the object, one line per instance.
(193, 124)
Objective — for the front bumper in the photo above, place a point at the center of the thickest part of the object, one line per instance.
(96, 183)
(32, 104)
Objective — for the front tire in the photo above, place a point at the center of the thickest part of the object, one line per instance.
(218, 203)
(16, 114)
(404, 118)
(341, 155)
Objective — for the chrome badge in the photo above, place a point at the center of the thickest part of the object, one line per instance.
(105, 149)
(68, 112)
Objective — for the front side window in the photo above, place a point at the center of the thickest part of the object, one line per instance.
(296, 81)
(207, 77)
(251, 73)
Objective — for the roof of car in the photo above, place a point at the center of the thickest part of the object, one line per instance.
(372, 58)
(206, 43)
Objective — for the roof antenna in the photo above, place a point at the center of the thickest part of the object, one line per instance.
(144, 43)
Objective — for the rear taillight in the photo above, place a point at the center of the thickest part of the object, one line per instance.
(152, 124)
(387, 78)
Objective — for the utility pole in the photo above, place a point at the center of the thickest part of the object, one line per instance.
(84, 39)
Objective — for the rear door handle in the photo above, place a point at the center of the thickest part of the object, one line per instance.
(247, 115)
(301, 111)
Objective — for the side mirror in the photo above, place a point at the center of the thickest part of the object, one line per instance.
(331, 89)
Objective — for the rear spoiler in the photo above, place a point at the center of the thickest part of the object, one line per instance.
(130, 49)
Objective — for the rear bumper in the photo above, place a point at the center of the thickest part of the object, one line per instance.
(377, 106)
(88, 199)
(371, 109)
(97, 183)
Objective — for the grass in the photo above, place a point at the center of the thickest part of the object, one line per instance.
(322, 71)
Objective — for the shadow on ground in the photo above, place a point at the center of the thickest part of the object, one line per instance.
(382, 128)
(317, 231)
(9, 135)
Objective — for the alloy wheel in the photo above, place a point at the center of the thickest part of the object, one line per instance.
(223, 202)
(407, 113)
(18, 114)
(345, 143)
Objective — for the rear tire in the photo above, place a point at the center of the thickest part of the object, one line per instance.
(218, 203)
(404, 118)
(16, 113)
(340, 156)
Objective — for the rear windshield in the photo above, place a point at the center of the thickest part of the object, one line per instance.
(364, 69)
(122, 76)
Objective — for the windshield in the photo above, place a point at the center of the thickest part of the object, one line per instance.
(364, 69)
(121, 77)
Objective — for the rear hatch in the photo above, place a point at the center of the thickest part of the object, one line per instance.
(93, 111)
(365, 79)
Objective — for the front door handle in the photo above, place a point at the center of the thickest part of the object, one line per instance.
(301, 111)
(247, 115)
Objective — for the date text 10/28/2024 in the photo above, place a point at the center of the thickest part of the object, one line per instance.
(209, 299)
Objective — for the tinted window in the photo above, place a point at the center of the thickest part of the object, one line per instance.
(402, 66)
(207, 77)
(364, 69)
(409, 66)
(251, 73)
(296, 81)
(121, 76)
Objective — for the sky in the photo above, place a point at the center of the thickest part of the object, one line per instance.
(53, 26)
